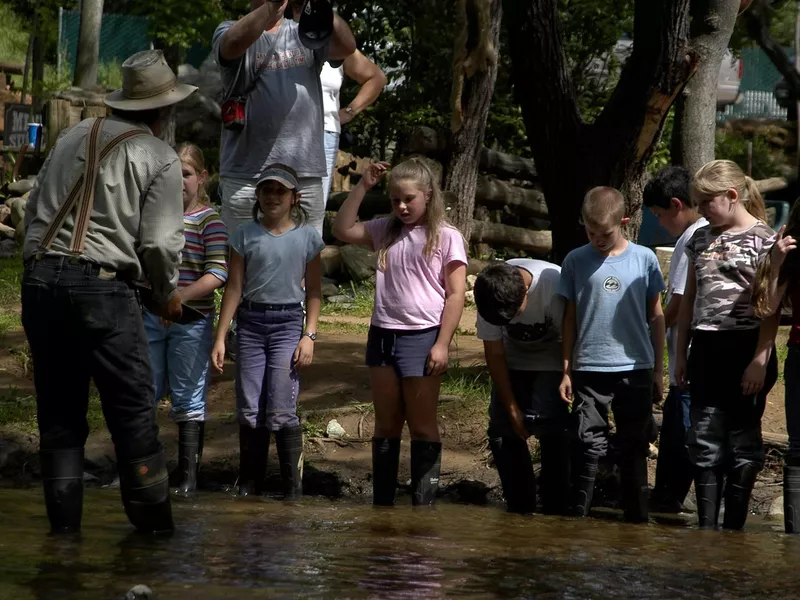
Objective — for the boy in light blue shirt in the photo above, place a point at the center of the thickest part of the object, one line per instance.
(612, 350)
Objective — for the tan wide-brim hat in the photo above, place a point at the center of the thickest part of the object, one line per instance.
(147, 83)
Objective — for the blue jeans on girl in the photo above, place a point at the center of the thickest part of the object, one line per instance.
(267, 384)
(180, 356)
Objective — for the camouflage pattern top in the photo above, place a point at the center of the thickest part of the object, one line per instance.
(725, 267)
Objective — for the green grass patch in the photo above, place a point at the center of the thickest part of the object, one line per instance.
(343, 328)
(10, 281)
(13, 35)
(362, 305)
(18, 410)
(467, 386)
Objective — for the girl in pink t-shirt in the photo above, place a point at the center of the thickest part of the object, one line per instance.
(419, 296)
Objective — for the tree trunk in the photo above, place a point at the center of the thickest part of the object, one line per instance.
(37, 69)
(88, 44)
(475, 60)
(695, 115)
(571, 156)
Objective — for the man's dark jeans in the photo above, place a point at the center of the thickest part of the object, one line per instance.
(81, 327)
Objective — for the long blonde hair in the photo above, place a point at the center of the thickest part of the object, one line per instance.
(422, 177)
(193, 156)
(717, 176)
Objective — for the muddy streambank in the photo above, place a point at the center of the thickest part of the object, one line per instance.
(336, 387)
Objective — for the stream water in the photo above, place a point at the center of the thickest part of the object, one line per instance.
(228, 548)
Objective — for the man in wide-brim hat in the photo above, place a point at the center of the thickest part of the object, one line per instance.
(107, 211)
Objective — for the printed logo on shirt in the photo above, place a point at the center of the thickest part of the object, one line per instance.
(538, 332)
(612, 284)
(299, 57)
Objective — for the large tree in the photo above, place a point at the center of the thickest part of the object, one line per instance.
(475, 60)
(573, 155)
(696, 109)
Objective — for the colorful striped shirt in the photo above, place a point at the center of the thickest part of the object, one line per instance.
(205, 251)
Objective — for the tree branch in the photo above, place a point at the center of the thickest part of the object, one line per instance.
(757, 21)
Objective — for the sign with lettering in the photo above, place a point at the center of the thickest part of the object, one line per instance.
(15, 133)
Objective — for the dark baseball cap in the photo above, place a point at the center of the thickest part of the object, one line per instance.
(279, 174)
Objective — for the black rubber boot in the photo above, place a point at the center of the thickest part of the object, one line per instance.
(289, 442)
(554, 478)
(738, 487)
(791, 498)
(708, 487)
(513, 461)
(190, 443)
(253, 452)
(584, 472)
(62, 480)
(385, 464)
(635, 491)
(426, 463)
(144, 484)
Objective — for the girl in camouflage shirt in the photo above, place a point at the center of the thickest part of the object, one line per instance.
(732, 364)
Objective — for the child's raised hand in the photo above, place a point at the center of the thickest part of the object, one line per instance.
(218, 356)
(304, 353)
(373, 174)
(782, 247)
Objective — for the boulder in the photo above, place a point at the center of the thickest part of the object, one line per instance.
(17, 206)
(340, 299)
(331, 258)
(360, 263)
(775, 512)
(8, 248)
(471, 281)
(329, 289)
(469, 298)
(5, 214)
(23, 186)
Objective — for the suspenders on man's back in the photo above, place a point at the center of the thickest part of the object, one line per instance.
(82, 193)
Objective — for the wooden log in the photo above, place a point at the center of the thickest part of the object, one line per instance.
(507, 166)
(374, 203)
(494, 234)
(11, 68)
(773, 184)
(429, 142)
(57, 120)
(497, 194)
(93, 111)
(778, 441)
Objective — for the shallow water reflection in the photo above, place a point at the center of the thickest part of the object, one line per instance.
(346, 550)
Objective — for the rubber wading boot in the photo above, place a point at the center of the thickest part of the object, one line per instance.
(554, 479)
(791, 498)
(426, 462)
(513, 461)
(289, 442)
(144, 484)
(738, 487)
(190, 444)
(584, 472)
(253, 452)
(62, 479)
(635, 492)
(708, 487)
(385, 464)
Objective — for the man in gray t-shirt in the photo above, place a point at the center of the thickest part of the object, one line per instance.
(284, 109)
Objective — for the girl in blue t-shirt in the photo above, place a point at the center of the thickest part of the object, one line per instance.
(270, 258)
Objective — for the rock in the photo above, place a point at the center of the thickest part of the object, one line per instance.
(469, 298)
(8, 248)
(139, 592)
(329, 289)
(653, 453)
(340, 299)
(359, 262)
(17, 206)
(329, 280)
(7, 232)
(23, 186)
(5, 214)
(775, 512)
(334, 430)
(331, 258)
(471, 282)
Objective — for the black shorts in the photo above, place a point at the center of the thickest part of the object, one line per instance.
(405, 350)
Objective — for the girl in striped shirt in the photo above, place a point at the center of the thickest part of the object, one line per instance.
(180, 354)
